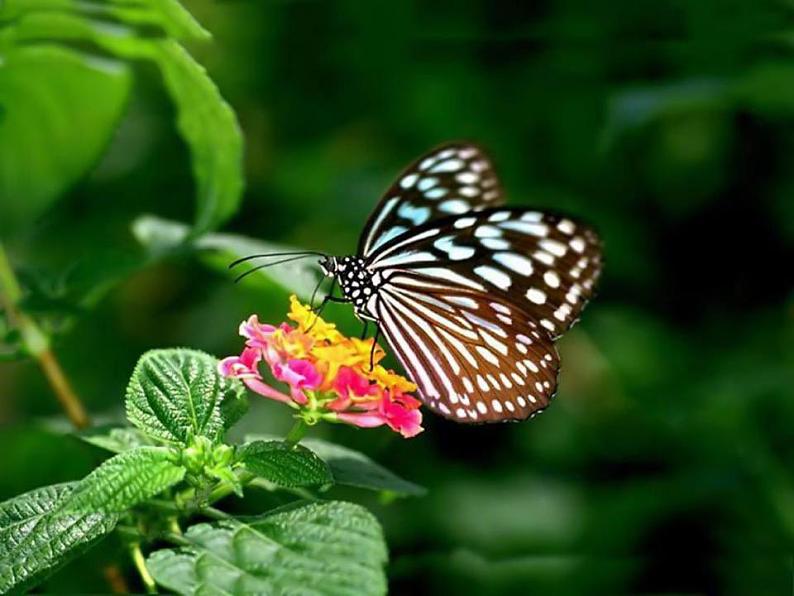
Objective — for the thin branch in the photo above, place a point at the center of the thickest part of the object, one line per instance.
(37, 344)
(140, 565)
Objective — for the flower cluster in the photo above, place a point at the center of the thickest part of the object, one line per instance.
(330, 376)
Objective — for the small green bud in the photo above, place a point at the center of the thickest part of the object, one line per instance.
(223, 455)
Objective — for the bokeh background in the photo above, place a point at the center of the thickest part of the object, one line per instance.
(665, 463)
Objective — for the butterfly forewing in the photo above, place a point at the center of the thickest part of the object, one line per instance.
(544, 265)
(474, 358)
(452, 179)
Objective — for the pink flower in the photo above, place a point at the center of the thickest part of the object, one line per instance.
(329, 375)
(349, 383)
(402, 414)
(242, 366)
(257, 335)
(298, 373)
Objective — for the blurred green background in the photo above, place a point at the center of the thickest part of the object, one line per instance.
(665, 463)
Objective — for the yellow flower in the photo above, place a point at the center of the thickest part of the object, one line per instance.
(335, 356)
(309, 322)
(294, 343)
(388, 379)
(364, 348)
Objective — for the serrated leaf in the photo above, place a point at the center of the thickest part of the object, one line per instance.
(317, 548)
(48, 139)
(36, 537)
(116, 439)
(125, 480)
(285, 465)
(353, 468)
(175, 395)
(161, 235)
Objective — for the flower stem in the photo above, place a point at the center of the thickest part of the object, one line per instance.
(140, 565)
(296, 432)
(37, 344)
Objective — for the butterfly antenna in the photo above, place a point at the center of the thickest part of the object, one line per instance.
(314, 293)
(258, 267)
(295, 253)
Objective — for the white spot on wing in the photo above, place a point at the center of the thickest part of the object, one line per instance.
(417, 215)
(536, 296)
(514, 262)
(498, 278)
(409, 180)
(552, 279)
(427, 183)
(495, 243)
(487, 232)
(533, 229)
(454, 206)
(554, 247)
(449, 165)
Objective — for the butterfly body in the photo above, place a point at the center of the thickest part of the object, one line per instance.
(470, 294)
(359, 286)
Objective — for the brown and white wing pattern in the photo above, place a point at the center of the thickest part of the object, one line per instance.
(474, 358)
(451, 179)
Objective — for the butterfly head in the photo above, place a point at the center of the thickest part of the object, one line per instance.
(329, 266)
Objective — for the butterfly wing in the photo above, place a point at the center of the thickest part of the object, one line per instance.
(474, 358)
(451, 179)
(542, 264)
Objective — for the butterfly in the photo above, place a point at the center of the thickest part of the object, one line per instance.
(469, 294)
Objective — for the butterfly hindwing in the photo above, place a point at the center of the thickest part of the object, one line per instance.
(451, 179)
(474, 358)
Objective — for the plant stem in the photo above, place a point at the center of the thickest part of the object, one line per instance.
(115, 579)
(225, 489)
(296, 432)
(37, 344)
(140, 565)
(213, 513)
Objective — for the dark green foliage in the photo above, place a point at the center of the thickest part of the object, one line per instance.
(663, 464)
(285, 465)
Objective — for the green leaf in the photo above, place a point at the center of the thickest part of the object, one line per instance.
(206, 122)
(116, 439)
(36, 537)
(58, 110)
(317, 548)
(161, 235)
(234, 404)
(210, 128)
(285, 465)
(169, 15)
(126, 480)
(353, 468)
(175, 395)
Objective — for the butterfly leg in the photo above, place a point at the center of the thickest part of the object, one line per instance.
(374, 345)
(318, 311)
(328, 297)
(364, 330)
